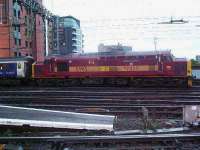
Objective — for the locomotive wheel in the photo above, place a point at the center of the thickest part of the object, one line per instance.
(132, 82)
(92, 81)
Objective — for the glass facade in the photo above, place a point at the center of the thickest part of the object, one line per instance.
(68, 36)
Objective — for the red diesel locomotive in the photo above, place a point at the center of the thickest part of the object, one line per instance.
(137, 68)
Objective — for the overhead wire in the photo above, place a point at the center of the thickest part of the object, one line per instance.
(143, 27)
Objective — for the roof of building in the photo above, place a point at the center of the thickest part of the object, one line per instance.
(77, 20)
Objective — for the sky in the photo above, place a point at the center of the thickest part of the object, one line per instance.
(135, 23)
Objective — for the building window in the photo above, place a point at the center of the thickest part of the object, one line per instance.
(19, 14)
(30, 20)
(15, 41)
(26, 32)
(25, 19)
(26, 43)
(19, 30)
(22, 9)
(15, 54)
(1, 13)
(14, 12)
(29, 33)
(28, 12)
(14, 1)
(20, 42)
(30, 44)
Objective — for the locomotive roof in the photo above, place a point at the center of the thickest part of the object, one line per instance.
(138, 53)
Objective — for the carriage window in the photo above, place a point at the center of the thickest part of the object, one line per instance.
(19, 66)
(63, 67)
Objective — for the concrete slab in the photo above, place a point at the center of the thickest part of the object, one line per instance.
(18, 116)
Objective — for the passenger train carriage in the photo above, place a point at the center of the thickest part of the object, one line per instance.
(136, 68)
(15, 68)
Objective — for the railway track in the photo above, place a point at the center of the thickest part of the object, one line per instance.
(104, 100)
(165, 110)
(103, 96)
(139, 142)
(123, 102)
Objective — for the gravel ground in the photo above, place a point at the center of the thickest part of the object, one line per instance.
(131, 123)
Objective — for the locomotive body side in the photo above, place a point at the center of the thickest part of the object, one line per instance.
(161, 66)
(119, 66)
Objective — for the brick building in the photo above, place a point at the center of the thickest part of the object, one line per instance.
(22, 30)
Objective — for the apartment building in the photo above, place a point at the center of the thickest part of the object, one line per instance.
(67, 35)
(22, 28)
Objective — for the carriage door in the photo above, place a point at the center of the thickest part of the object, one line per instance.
(20, 69)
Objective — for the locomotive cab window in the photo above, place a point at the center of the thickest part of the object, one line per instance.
(167, 58)
(1, 67)
(4, 67)
(62, 67)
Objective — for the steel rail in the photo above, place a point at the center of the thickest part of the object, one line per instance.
(158, 137)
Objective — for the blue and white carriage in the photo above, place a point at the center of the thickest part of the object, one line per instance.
(15, 67)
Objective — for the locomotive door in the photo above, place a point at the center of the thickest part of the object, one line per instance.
(50, 66)
(160, 63)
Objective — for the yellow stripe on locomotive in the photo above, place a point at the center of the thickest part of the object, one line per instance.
(113, 68)
(189, 73)
(189, 68)
(33, 70)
